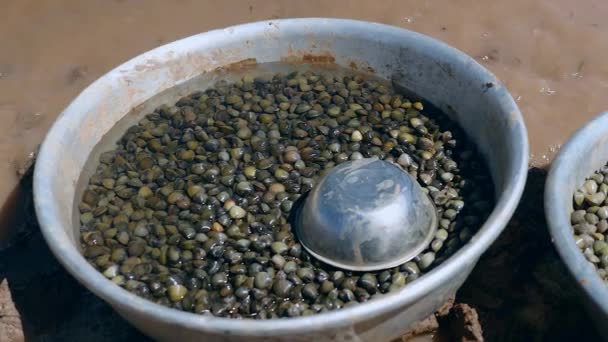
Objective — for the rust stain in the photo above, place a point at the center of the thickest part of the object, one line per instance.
(291, 51)
(308, 56)
(357, 65)
(135, 110)
(295, 56)
(224, 56)
(320, 59)
(178, 69)
(246, 63)
(291, 59)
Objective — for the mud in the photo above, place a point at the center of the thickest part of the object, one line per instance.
(11, 328)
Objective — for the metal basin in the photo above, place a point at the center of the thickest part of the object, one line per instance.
(447, 78)
(584, 153)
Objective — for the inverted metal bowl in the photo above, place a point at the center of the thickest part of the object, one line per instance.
(366, 215)
(584, 153)
(446, 77)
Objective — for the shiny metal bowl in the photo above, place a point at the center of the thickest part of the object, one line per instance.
(365, 215)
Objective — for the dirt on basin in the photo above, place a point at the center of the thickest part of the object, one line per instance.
(549, 53)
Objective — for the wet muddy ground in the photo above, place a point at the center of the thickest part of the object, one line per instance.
(549, 53)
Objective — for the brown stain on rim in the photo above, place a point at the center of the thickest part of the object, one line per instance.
(247, 63)
(361, 66)
(309, 58)
(319, 59)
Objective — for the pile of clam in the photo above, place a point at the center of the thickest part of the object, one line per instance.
(192, 208)
(590, 220)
